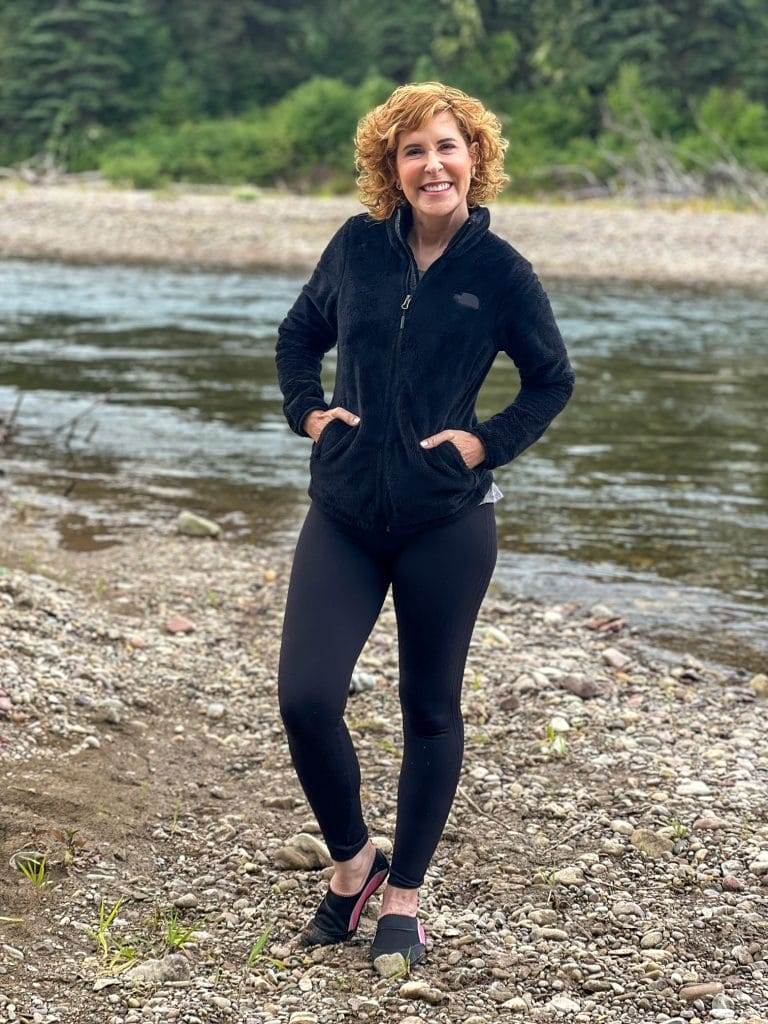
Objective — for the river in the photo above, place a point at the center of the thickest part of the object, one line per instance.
(145, 391)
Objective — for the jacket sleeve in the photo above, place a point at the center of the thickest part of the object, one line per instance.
(531, 338)
(307, 332)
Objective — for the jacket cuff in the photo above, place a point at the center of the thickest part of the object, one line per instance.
(494, 447)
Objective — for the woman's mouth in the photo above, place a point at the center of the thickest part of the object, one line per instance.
(442, 188)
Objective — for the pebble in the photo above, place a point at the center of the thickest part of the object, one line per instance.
(700, 991)
(651, 843)
(570, 876)
(613, 657)
(419, 989)
(196, 526)
(623, 942)
(174, 967)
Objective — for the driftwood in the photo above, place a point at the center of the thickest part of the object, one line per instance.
(71, 425)
(7, 426)
(655, 168)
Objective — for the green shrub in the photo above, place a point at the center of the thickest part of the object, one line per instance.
(728, 120)
(138, 169)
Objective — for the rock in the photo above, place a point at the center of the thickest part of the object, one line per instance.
(303, 1017)
(192, 525)
(580, 685)
(707, 988)
(570, 876)
(732, 884)
(693, 787)
(110, 711)
(186, 901)
(760, 866)
(303, 852)
(389, 964)
(559, 724)
(174, 967)
(361, 681)
(495, 637)
(516, 1004)
(179, 624)
(564, 1004)
(554, 934)
(650, 843)
(759, 684)
(216, 710)
(102, 983)
(421, 990)
(615, 658)
(708, 822)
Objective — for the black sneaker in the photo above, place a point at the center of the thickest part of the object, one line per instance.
(399, 933)
(337, 917)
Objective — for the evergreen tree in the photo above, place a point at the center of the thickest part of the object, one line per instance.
(68, 73)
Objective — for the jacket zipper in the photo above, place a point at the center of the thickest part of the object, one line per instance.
(404, 307)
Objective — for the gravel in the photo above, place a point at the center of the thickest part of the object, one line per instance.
(611, 869)
(595, 240)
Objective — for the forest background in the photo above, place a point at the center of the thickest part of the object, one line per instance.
(597, 97)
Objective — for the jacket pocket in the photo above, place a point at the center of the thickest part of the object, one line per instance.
(333, 434)
(453, 458)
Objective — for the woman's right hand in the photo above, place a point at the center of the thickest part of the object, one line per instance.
(316, 421)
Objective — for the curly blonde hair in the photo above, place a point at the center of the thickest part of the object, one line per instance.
(409, 107)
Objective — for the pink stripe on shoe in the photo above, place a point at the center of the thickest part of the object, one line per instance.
(422, 933)
(365, 895)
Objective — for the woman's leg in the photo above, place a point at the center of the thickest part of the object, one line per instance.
(439, 580)
(335, 593)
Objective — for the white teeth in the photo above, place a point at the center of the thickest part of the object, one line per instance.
(437, 188)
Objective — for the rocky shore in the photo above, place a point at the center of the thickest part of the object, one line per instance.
(606, 858)
(253, 230)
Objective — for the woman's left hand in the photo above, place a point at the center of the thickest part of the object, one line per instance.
(471, 447)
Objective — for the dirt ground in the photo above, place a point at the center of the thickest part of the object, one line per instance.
(605, 858)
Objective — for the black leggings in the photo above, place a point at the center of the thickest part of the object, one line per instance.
(339, 580)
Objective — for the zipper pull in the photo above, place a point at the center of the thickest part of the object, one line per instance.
(406, 303)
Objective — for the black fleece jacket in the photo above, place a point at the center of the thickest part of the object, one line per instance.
(411, 358)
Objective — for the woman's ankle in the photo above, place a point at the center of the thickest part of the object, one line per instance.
(400, 901)
(350, 872)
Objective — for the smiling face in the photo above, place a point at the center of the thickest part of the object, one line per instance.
(436, 153)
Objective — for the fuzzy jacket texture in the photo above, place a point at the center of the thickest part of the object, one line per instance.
(412, 355)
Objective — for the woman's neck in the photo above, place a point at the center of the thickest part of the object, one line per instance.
(430, 235)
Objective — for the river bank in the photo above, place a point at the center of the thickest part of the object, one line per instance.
(593, 240)
(606, 856)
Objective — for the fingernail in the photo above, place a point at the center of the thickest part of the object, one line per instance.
(424, 444)
(356, 419)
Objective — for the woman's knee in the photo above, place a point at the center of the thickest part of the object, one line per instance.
(433, 720)
(306, 710)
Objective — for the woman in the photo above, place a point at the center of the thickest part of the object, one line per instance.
(419, 296)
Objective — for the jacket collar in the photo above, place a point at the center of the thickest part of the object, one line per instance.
(472, 231)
